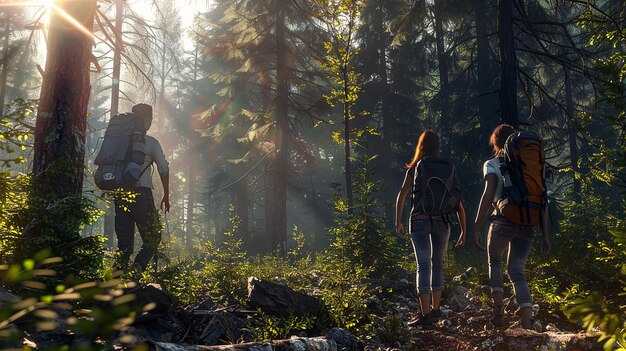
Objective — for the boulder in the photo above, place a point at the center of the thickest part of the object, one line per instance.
(223, 326)
(344, 340)
(151, 295)
(279, 300)
(457, 297)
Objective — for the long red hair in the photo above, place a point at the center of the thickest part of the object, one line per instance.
(427, 145)
(499, 136)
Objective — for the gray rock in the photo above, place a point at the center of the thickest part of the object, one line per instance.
(552, 328)
(278, 300)
(457, 298)
(223, 326)
(344, 340)
(490, 343)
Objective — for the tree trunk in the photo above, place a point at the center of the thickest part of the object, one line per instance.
(386, 154)
(4, 75)
(281, 129)
(117, 57)
(444, 90)
(487, 89)
(61, 118)
(191, 191)
(572, 135)
(269, 209)
(508, 59)
(109, 216)
(346, 141)
(242, 206)
(59, 147)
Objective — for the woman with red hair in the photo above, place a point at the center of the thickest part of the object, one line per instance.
(506, 241)
(436, 193)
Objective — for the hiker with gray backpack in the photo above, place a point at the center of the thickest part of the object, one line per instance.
(435, 195)
(515, 201)
(125, 163)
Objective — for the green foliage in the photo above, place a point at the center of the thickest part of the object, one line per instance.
(31, 224)
(15, 137)
(596, 310)
(362, 234)
(43, 230)
(225, 265)
(177, 273)
(391, 329)
(267, 328)
(15, 131)
(608, 136)
(96, 311)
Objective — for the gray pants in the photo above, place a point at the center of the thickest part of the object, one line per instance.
(430, 240)
(517, 240)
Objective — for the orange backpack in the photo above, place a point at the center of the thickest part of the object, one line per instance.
(523, 171)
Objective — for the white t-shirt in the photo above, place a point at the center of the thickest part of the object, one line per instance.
(154, 153)
(493, 166)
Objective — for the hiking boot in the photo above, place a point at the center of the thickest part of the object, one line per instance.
(424, 321)
(531, 324)
(498, 316)
(435, 315)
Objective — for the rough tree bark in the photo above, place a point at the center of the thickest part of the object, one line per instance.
(386, 154)
(61, 117)
(59, 146)
(572, 136)
(444, 89)
(6, 58)
(487, 89)
(109, 216)
(281, 162)
(508, 59)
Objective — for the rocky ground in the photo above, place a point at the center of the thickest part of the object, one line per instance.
(464, 325)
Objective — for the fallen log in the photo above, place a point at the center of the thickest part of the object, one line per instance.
(293, 344)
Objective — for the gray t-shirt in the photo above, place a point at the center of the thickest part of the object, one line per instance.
(493, 166)
(154, 153)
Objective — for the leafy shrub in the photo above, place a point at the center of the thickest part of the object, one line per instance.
(607, 313)
(225, 266)
(266, 327)
(95, 311)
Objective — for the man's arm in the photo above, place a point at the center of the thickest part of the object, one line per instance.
(165, 203)
(164, 172)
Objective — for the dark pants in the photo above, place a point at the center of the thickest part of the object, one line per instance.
(139, 211)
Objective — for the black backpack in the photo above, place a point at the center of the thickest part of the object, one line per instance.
(435, 194)
(122, 153)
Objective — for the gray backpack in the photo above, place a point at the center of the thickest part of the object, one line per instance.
(434, 192)
(122, 153)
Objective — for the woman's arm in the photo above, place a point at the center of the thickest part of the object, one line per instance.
(404, 191)
(460, 213)
(486, 201)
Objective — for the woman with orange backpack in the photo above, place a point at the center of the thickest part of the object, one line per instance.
(514, 198)
(436, 194)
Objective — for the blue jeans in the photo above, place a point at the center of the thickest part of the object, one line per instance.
(430, 240)
(518, 240)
